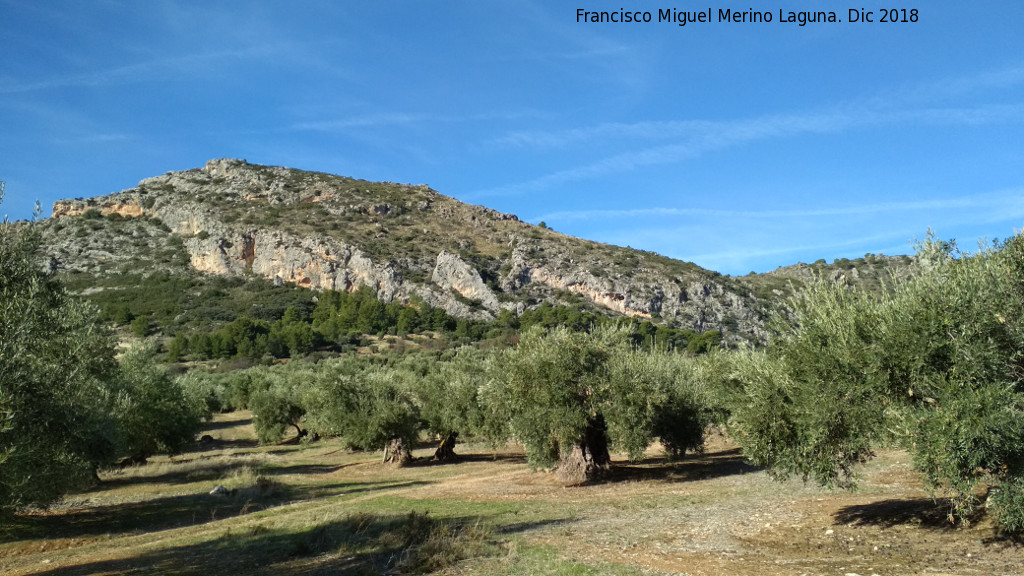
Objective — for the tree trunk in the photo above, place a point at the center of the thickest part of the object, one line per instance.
(589, 459)
(446, 451)
(396, 452)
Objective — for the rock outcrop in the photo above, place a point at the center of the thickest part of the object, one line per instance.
(454, 273)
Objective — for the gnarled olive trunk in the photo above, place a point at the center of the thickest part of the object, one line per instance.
(589, 458)
(397, 452)
(446, 451)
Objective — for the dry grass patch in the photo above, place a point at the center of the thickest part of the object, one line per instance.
(320, 509)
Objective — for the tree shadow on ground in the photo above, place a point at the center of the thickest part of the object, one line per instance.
(461, 458)
(209, 467)
(924, 512)
(224, 424)
(360, 543)
(179, 511)
(216, 445)
(690, 468)
(182, 472)
(303, 469)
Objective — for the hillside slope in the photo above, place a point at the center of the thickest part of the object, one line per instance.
(323, 231)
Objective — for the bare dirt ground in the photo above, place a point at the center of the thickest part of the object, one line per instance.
(708, 514)
(715, 514)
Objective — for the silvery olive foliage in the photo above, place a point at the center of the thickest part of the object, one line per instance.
(67, 407)
(934, 365)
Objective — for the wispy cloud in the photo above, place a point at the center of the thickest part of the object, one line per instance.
(154, 70)
(700, 137)
(383, 119)
(95, 138)
(1006, 202)
(957, 86)
(755, 127)
(361, 121)
(690, 138)
(696, 132)
(759, 239)
(990, 114)
(616, 130)
(739, 258)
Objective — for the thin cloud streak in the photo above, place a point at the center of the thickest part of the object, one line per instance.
(160, 69)
(746, 253)
(713, 136)
(404, 119)
(959, 86)
(1005, 200)
(702, 130)
(366, 121)
(989, 80)
(743, 258)
(98, 138)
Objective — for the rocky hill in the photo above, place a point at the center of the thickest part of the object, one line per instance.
(330, 232)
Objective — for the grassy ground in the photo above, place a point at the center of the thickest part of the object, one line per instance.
(318, 509)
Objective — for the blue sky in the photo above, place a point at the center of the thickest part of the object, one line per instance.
(738, 147)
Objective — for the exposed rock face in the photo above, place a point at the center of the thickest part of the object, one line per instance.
(312, 263)
(329, 232)
(598, 291)
(65, 208)
(453, 272)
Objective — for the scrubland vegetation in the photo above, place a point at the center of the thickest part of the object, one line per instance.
(930, 367)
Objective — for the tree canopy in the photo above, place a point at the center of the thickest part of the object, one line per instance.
(933, 365)
(67, 407)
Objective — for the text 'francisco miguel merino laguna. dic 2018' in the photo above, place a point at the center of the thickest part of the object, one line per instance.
(802, 18)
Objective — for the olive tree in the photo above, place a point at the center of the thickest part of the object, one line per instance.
(57, 422)
(276, 402)
(570, 396)
(934, 365)
(448, 394)
(154, 412)
(371, 407)
(67, 407)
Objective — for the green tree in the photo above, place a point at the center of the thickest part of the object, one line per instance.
(154, 413)
(655, 394)
(275, 408)
(704, 342)
(140, 327)
(371, 407)
(56, 424)
(408, 321)
(449, 398)
(545, 388)
(177, 348)
(569, 395)
(372, 317)
(934, 364)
